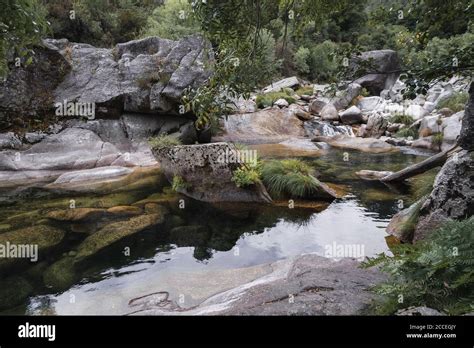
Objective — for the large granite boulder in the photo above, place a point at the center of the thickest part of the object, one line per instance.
(147, 75)
(206, 172)
(376, 70)
(28, 90)
(466, 139)
(452, 196)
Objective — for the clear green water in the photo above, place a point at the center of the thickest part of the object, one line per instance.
(232, 237)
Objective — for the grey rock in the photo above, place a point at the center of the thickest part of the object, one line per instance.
(382, 73)
(419, 311)
(318, 128)
(466, 139)
(207, 171)
(451, 128)
(345, 97)
(351, 116)
(376, 126)
(72, 148)
(452, 196)
(303, 285)
(317, 105)
(289, 82)
(9, 141)
(329, 113)
(281, 103)
(144, 76)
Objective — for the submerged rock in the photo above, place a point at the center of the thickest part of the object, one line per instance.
(116, 231)
(14, 291)
(207, 171)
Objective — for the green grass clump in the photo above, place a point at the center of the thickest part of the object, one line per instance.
(456, 102)
(268, 99)
(305, 90)
(401, 118)
(407, 132)
(246, 176)
(179, 184)
(289, 178)
(437, 272)
(162, 141)
(422, 185)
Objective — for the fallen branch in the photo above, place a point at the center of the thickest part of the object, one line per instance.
(419, 168)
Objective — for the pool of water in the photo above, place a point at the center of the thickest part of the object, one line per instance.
(229, 238)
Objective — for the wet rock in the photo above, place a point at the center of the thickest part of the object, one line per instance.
(318, 128)
(362, 144)
(116, 231)
(402, 225)
(76, 214)
(289, 82)
(424, 143)
(93, 174)
(303, 115)
(207, 173)
(193, 235)
(154, 208)
(124, 210)
(265, 126)
(452, 196)
(351, 116)
(61, 275)
(42, 235)
(14, 291)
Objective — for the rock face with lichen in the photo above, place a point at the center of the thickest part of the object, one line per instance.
(206, 173)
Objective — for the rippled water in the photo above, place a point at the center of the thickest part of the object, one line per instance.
(193, 268)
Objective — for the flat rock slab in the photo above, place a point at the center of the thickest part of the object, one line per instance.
(303, 285)
(361, 144)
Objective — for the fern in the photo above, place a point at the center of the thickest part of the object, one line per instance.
(437, 272)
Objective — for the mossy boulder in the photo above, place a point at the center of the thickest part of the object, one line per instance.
(14, 291)
(116, 231)
(403, 224)
(61, 275)
(193, 235)
(124, 210)
(76, 214)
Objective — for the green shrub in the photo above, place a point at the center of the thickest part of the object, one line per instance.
(323, 68)
(179, 184)
(422, 185)
(289, 178)
(437, 139)
(268, 99)
(407, 132)
(456, 102)
(437, 272)
(246, 176)
(402, 118)
(305, 90)
(162, 141)
(302, 57)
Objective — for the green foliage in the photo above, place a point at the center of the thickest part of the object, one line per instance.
(456, 102)
(437, 139)
(402, 118)
(289, 178)
(302, 58)
(22, 25)
(437, 272)
(268, 99)
(422, 185)
(97, 22)
(179, 184)
(407, 132)
(323, 67)
(162, 141)
(246, 175)
(305, 90)
(173, 20)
